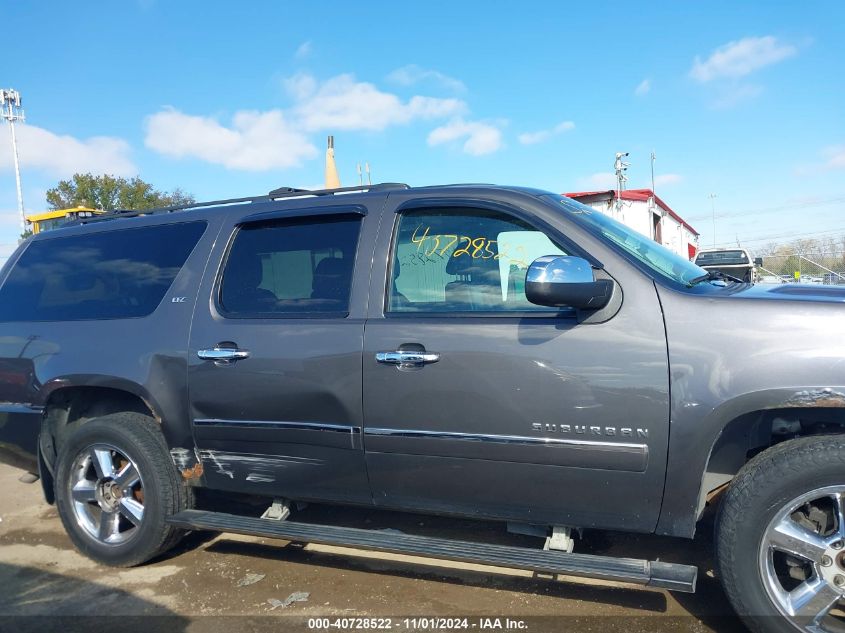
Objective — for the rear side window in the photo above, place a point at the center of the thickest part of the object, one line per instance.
(290, 267)
(110, 275)
(725, 258)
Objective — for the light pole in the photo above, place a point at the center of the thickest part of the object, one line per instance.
(712, 197)
(10, 108)
(620, 167)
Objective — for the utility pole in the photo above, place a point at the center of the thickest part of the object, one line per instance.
(712, 197)
(10, 105)
(620, 167)
(653, 156)
(652, 205)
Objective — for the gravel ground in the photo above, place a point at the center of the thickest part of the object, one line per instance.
(231, 583)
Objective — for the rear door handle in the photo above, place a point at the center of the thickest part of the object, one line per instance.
(407, 359)
(223, 354)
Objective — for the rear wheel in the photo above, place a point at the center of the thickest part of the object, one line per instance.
(115, 486)
(781, 537)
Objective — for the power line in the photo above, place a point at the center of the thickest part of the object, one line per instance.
(793, 236)
(787, 207)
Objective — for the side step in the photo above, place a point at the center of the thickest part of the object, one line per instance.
(641, 572)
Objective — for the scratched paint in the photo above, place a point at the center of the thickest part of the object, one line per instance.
(181, 457)
(259, 468)
(262, 478)
(188, 463)
(817, 398)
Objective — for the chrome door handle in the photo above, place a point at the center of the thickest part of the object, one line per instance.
(407, 359)
(223, 354)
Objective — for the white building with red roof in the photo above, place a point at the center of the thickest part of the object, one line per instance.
(645, 212)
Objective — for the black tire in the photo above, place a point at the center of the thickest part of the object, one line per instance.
(161, 492)
(764, 489)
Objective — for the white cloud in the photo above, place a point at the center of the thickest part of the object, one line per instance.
(602, 181)
(740, 58)
(300, 86)
(6, 250)
(643, 88)
(481, 138)
(599, 181)
(667, 179)
(835, 157)
(64, 155)
(530, 138)
(413, 74)
(303, 50)
(735, 95)
(10, 218)
(255, 141)
(342, 103)
(278, 139)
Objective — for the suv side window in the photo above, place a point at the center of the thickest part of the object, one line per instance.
(115, 274)
(291, 267)
(464, 260)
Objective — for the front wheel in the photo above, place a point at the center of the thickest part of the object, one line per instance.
(115, 486)
(781, 537)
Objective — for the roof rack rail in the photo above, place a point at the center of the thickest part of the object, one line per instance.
(285, 192)
(131, 213)
(276, 194)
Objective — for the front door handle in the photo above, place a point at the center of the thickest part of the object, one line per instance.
(223, 354)
(407, 358)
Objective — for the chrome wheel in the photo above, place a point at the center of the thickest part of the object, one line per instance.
(107, 494)
(802, 560)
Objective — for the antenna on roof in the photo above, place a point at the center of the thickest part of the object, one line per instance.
(361, 174)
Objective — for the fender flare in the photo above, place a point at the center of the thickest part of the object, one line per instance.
(687, 469)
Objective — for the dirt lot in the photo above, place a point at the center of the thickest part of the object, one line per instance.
(233, 583)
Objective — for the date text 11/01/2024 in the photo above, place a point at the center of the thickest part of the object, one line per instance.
(418, 623)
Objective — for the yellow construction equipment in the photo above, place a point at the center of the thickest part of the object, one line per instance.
(54, 219)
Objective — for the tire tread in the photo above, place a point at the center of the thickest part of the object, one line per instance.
(788, 461)
(174, 496)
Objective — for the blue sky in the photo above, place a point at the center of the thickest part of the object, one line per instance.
(745, 100)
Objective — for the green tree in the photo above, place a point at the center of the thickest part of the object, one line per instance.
(108, 192)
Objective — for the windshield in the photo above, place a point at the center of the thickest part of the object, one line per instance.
(656, 257)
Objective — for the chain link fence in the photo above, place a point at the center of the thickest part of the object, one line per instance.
(820, 268)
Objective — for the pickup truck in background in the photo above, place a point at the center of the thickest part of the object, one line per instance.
(736, 262)
(491, 352)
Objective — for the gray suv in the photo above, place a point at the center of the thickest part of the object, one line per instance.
(491, 352)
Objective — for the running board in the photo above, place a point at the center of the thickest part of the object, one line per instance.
(641, 572)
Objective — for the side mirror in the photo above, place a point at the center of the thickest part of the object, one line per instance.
(558, 281)
(758, 261)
